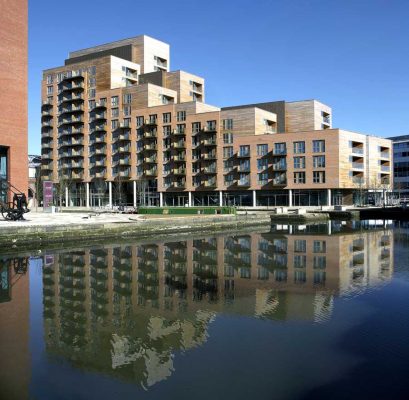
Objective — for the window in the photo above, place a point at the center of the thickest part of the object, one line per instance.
(262, 164)
(211, 125)
(244, 151)
(50, 90)
(92, 70)
(299, 162)
(180, 128)
(320, 246)
(244, 166)
(139, 120)
(320, 262)
(299, 177)
(166, 117)
(91, 82)
(181, 116)
(318, 176)
(50, 79)
(127, 98)
(114, 101)
(127, 122)
(227, 138)
(228, 152)
(127, 111)
(114, 124)
(300, 246)
(280, 148)
(262, 149)
(114, 112)
(91, 93)
(228, 165)
(228, 180)
(262, 178)
(91, 104)
(195, 127)
(300, 261)
(318, 146)
(153, 118)
(318, 161)
(227, 124)
(167, 130)
(299, 147)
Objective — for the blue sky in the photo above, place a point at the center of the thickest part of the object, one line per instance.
(350, 54)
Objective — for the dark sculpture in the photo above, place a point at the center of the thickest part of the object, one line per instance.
(14, 210)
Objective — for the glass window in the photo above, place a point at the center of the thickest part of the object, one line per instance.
(318, 146)
(114, 124)
(262, 164)
(91, 93)
(318, 161)
(127, 110)
(299, 147)
(127, 98)
(262, 178)
(114, 101)
(167, 130)
(181, 116)
(228, 165)
(153, 118)
(318, 176)
(299, 177)
(167, 119)
(280, 148)
(139, 120)
(320, 262)
(228, 152)
(195, 127)
(300, 246)
(227, 124)
(244, 151)
(262, 149)
(50, 89)
(114, 112)
(211, 125)
(299, 162)
(320, 246)
(50, 79)
(300, 261)
(227, 138)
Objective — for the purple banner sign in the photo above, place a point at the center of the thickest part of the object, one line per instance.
(47, 194)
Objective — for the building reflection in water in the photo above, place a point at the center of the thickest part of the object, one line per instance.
(125, 310)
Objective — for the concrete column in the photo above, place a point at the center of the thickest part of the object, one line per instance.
(134, 193)
(329, 228)
(254, 198)
(110, 193)
(329, 200)
(160, 199)
(66, 197)
(189, 202)
(87, 194)
(221, 198)
(290, 197)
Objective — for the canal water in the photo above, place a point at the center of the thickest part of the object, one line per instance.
(293, 312)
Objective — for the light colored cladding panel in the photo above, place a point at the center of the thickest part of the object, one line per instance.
(319, 108)
(243, 120)
(152, 48)
(300, 116)
(260, 117)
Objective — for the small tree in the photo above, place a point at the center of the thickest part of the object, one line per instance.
(64, 182)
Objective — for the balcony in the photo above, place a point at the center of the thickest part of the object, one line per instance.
(122, 136)
(244, 182)
(179, 171)
(72, 142)
(209, 142)
(72, 175)
(47, 123)
(358, 179)
(98, 128)
(178, 145)
(385, 155)
(98, 105)
(122, 149)
(97, 117)
(47, 112)
(150, 147)
(151, 122)
(244, 168)
(280, 167)
(150, 172)
(48, 166)
(179, 158)
(69, 121)
(99, 174)
(209, 170)
(179, 184)
(279, 152)
(210, 183)
(210, 128)
(243, 154)
(73, 165)
(150, 134)
(98, 150)
(209, 156)
(97, 163)
(47, 144)
(179, 131)
(122, 161)
(72, 75)
(70, 98)
(126, 173)
(358, 165)
(71, 154)
(47, 155)
(70, 109)
(386, 168)
(357, 149)
(98, 139)
(279, 181)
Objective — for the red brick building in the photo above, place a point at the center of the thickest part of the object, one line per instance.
(13, 93)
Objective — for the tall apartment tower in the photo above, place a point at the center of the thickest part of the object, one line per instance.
(13, 94)
(118, 126)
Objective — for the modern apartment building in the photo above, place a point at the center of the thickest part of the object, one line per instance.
(119, 127)
(401, 164)
(13, 94)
